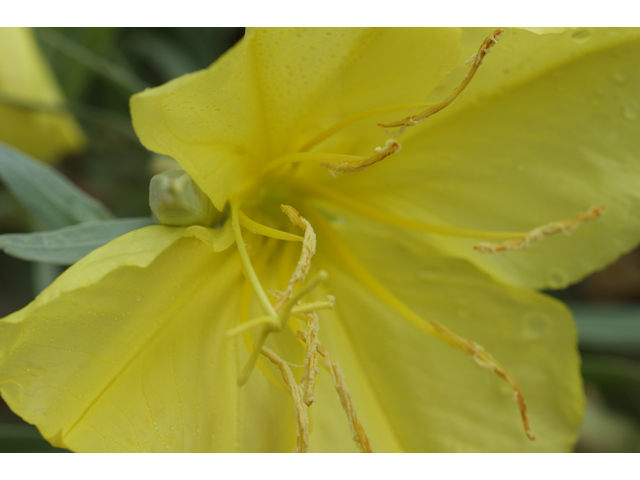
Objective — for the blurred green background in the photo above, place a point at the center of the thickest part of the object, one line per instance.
(98, 70)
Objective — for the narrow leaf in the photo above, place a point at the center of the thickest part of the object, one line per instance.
(608, 326)
(21, 438)
(68, 245)
(46, 193)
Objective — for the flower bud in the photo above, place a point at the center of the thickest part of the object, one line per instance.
(176, 200)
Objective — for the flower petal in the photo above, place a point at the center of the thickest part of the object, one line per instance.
(25, 78)
(279, 87)
(554, 147)
(432, 396)
(520, 56)
(127, 352)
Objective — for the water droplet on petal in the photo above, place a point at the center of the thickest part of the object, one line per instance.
(536, 325)
(620, 77)
(505, 389)
(581, 36)
(631, 110)
(557, 278)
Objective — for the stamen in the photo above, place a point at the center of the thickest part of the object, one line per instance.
(345, 122)
(379, 154)
(277, 322)
(299, 408)
(308, 250)
(385, 217)
(336, 163)
(340, 384)
(279, 313)
(315, 157)
(311, 359)
(256, 227)
(537, 234)
(432, 328)
(476, 60)
(486, 361)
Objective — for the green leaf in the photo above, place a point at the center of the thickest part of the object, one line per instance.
(20, 438)
(608, 326)
(45, 192)
(68, 245)
(92, 60)
(610, 371)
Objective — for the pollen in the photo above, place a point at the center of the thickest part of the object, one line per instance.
(537, 234)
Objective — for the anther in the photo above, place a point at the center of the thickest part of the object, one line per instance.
(476, 60)
(340, 384)
(308, 250)
(484, 360)
(299, 408)
(311, 358)
(379, 154)
(537, 234)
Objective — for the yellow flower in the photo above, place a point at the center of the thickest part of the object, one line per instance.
(27, 89)
(142, 344)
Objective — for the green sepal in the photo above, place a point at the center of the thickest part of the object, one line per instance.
(177, 201)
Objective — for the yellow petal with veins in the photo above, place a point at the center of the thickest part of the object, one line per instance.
(26, 82)
(400, 378)
(491, 167)
(127, 351)
(521, 56)
(278, 88)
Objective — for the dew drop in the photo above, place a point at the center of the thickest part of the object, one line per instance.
(536, 325)
(620, 77)
(557, 278)
(630, 111)
(505, 389)
(139, 298)
(581, 36)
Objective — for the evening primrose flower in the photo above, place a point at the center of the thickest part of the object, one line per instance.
(30, 101)
(324, 161)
